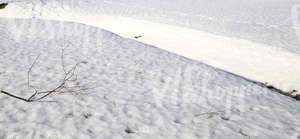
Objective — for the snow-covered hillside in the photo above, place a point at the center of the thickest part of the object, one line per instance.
(265, 21)
(148, 69)
(136, 90)
(254, 39)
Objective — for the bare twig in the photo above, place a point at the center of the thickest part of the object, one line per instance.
(9, 94)
(69, 77)
(29, 71)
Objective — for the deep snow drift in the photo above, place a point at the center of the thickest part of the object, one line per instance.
(137, 91)
(270, 53)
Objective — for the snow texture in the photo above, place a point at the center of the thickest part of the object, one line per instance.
(254, 39)
(137, 90)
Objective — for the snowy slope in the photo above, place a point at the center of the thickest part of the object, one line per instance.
(137, 90)
(266, 21)
(270, 53)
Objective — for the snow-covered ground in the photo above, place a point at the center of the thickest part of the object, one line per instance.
(138, 90)
(270, 53)
(133, 87)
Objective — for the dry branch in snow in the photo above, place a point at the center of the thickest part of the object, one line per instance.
(69, 77)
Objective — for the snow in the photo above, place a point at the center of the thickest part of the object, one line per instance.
(139, 90)
(134, 86)
(276, 65)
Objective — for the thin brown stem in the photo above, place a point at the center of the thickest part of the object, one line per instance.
(14, 96)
